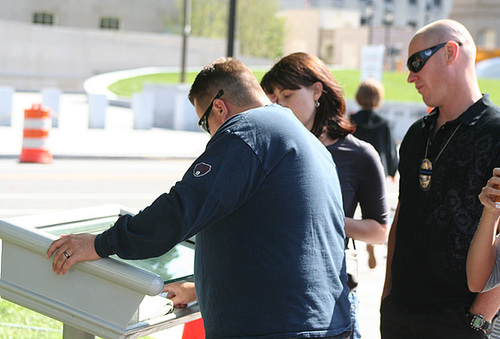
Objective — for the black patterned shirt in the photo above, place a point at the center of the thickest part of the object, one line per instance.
(435, 226)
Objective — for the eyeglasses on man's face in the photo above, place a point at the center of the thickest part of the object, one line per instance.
(203, 123)
(417, 60)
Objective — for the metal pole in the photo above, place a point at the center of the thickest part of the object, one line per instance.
(387, 46)
(70, 332)
(370, 14)
(231, 28)
(388, 21)
(185, 35)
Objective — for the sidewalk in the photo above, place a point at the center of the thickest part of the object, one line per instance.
(72, 137)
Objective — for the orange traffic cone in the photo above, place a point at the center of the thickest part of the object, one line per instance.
(194, 330)
(37, 124)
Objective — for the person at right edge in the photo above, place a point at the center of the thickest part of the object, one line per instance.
(446, 158)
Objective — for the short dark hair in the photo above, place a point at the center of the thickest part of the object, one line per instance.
(370, 94)
(231, 75)
(299, 70)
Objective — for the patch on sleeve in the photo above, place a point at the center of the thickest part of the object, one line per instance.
(201, 169)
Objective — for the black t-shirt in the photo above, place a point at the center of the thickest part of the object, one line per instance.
(435, 226)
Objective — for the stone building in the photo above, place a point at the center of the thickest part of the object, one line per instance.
(60, 43)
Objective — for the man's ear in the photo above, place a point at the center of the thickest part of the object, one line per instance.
(221, 110)
(452, 50)
(317, 88)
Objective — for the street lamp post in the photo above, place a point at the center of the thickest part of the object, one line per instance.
(185, 34)
(369, 12)
(388, 21)
(231, 28)
(428, 7)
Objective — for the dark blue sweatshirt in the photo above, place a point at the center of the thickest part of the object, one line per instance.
(265, 204)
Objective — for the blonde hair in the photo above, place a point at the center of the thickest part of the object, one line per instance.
(370, 94)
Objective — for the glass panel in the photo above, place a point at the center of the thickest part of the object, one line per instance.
(176, 264)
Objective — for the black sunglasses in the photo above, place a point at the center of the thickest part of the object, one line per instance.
(417, 60)
(203, 123)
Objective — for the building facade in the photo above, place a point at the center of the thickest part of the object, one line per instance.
(398, 13)
(60, 43)
(337, 36)
(481, 17)
(117, 15)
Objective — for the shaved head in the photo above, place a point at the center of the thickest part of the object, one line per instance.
(449, 79)
(445, 30)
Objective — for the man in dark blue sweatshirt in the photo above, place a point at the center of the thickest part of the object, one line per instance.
(266, 211)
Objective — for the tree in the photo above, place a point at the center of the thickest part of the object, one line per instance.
(259, 30)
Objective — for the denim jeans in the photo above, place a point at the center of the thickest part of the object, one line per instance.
(353, 299)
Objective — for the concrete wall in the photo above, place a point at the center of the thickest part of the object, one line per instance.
(37, 56)
(134, 15)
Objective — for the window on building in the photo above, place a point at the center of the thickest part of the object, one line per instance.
(437, 3)
(43, 18)
(110, 23)
(487, 39)
(412, 24)
(412, 2)
(327, 56)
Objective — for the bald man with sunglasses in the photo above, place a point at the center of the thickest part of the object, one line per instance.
(445, 159)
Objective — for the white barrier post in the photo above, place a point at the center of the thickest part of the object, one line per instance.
(51, 97)
(163, 110)
(185, 117)
(97, 110)
(6, 94)
(143, 109)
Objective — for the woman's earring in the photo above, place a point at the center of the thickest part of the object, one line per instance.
(316, 104)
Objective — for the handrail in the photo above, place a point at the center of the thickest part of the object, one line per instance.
(21, 231)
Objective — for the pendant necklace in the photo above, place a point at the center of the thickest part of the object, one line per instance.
(425, 172)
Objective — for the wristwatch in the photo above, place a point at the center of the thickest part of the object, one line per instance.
(477, 322)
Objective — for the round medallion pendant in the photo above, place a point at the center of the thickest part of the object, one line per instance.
(425, 174)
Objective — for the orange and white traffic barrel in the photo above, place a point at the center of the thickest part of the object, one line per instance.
(37, 125)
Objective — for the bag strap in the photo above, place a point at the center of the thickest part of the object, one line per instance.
(347, 243)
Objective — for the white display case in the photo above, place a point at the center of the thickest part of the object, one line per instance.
(110, 297)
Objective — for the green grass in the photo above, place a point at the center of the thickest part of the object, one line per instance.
(396, 86)
(19, 322)
(127, 87)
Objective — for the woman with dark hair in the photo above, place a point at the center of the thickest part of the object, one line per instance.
(304, 72)
(303, 83)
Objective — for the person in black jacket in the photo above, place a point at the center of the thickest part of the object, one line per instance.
(373, 128)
